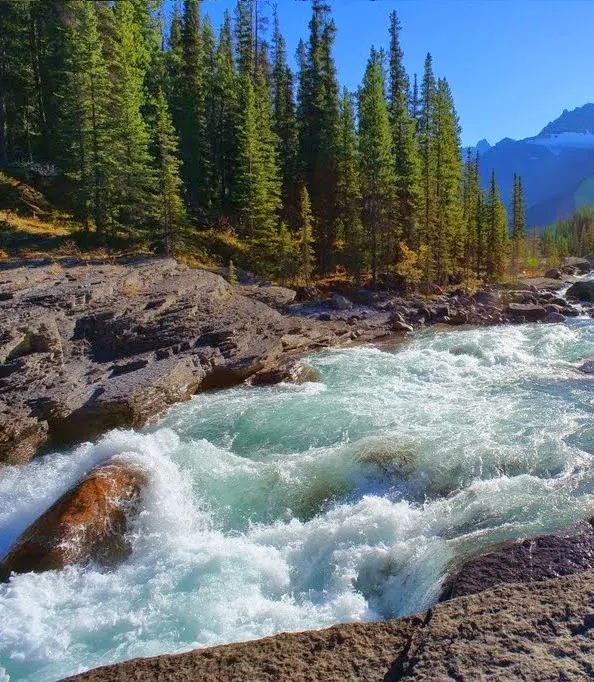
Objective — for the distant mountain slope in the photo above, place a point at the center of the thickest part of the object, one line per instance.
(557, 166)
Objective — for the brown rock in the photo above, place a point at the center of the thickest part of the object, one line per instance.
(87, 524)
(532, 559)
(291, 371)
(529, 312)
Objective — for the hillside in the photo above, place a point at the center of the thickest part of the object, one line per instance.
(556, 165)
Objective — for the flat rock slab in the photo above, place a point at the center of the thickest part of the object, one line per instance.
(541, 632)
(89, 347)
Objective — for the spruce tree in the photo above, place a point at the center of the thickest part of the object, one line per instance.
(318, 128)
(285, 123)
(518, 235)
(427, 152)
(376, 165)
(497, 235)
(405, 148)
(86, 126)
(133, 182)
(354, 256)
(171, 210)
(306, 235)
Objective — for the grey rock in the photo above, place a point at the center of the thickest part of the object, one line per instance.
(339, 302)
(555, 318)
(527, 311)
(582, 265)
(583, 291)
(555, 273)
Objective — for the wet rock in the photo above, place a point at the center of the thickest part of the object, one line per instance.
(557, 300)
(291, 370)
(555, 318)
(397, 324)
(570, 311)
(555, 273)
(587, 367)
(528, 311)
(87, 524)
(552, 308)
(529, 560)
(457, 318)
(339, 302)
(583, 291)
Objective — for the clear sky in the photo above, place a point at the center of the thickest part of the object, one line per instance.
(513, 65)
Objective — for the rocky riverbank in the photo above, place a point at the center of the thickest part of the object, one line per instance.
(85, 348)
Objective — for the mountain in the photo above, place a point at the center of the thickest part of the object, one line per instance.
(482, 147)
(557, 166)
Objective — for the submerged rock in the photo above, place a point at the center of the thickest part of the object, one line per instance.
(587, 367)
(87, 524)
(291, 371)
(530, 560)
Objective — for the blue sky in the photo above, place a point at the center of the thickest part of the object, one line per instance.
(513, 65)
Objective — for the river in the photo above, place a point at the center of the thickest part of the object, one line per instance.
(296, 507)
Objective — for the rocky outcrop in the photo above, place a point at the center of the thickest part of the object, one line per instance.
(528, 560)
(85, 348)
(538, 632)
(87, 524)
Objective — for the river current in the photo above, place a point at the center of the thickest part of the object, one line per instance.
(296, 507)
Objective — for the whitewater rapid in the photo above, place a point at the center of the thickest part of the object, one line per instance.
(295, 507)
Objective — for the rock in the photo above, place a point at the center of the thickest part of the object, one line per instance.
(570, 311)
(580, 264)
(553, 274)
(587, 367)
(366, 297)
(538, 632)
(291, 371)
(457, 318)
(536, 283)
(552, 308)
(488, 298)
(308, 294)
(555, 318)
(533, 559)
(275, 297)
(401, 327)
(583, 291)
(339, 302)
(84, 348)
(527, 311)
(87, 524)
(557, 300)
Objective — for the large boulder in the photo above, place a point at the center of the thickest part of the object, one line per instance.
(555, 273)
(529, 560)
(580, 264)
(89, 523)
(537, 283)
(528, 312)
(275, 297)
(582, 291)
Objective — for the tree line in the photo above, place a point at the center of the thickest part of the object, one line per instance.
(164, 131)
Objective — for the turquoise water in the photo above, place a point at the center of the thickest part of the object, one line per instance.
(286, 508)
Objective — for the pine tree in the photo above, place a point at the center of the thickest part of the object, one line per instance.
(354, 256)
(448, 239)
(318, 128)
(85, 131)
(497, 235)
(226, 110)
(427, 152)
(133, 187)
(377, 168)
(172, 214)
(306, 236)
(518, 236)
(285, 124)
(404, 144)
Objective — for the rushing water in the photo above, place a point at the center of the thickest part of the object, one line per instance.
(286, 508)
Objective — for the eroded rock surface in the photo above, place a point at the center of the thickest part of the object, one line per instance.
(85, 348)
(87, 524)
